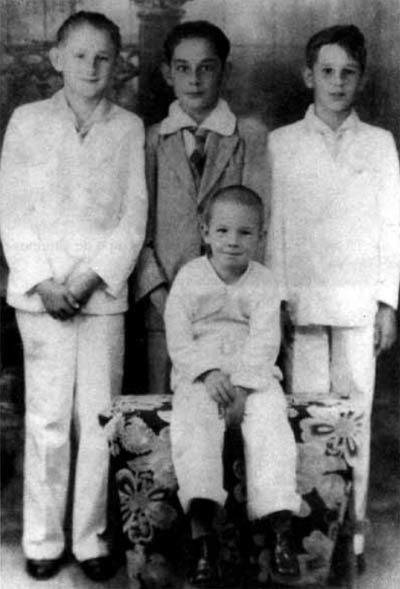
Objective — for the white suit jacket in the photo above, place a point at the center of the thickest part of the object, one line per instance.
(231, 327)
(334, 240)
(68, 204)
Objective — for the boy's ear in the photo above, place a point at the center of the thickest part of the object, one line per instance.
(55, 56)
(166, 72)
(308, 77)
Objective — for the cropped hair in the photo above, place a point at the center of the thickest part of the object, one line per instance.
(95, 19)
(197, 29)
(349, 37)
(236, 194)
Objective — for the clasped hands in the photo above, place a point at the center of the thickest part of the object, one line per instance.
(64, 300)
(231, 400)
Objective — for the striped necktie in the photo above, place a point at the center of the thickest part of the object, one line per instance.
(198, 157)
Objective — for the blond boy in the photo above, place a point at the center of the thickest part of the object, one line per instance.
(73, 215)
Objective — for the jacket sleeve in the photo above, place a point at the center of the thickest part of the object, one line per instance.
(389, 211)
(149, 274)
(256, 367)
(275, 243)
(189, 359)
(23, 249)
(116, 259)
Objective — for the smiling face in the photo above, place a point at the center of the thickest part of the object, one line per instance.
(233, 235)
(86, 59)
(195, 73)
(335, 79)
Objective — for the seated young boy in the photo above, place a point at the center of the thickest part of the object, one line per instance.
(223, 335)
(198, 148)
(73, 216)
(334, 240)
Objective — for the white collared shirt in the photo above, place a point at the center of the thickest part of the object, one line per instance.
(334, 139)
(221, 120)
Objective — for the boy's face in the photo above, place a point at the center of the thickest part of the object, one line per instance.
(335, 79)
(86, 60)
(195, 73)
(233, 235)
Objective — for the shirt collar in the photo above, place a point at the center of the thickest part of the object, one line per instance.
(221, 120)
(100, 113)
(317, 125)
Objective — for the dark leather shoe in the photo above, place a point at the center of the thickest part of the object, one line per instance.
(42, 569)
(204, 569)
(98, 569)
(284, 561)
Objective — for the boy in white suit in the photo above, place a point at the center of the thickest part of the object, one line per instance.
(73, 215)
(223, 335)
(334, 240)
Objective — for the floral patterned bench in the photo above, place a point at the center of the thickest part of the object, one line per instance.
(327, 432)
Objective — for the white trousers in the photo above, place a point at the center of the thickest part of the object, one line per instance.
(197, 435)
(340, 361)
(72, 369)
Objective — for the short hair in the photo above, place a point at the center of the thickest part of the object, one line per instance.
(95, 19)
(197, 29)
(237, 194)
(349, 37)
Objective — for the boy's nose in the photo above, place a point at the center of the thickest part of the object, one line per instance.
(194, 77)
(233, 239)
(338, 78)
(91, 65)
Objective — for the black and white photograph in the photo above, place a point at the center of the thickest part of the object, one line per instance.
(199, 294)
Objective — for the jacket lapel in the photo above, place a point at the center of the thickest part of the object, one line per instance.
(219, 152)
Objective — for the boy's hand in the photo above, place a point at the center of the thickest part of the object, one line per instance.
(234, 413)
(385, 330)
(81, 286)
(219, 387)
(158, 297)
(56, 301)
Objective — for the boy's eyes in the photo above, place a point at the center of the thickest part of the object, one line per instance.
(98, 57)
(328, 71)
(206, 68)
(240, 231)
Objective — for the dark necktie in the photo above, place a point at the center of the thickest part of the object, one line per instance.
(198, 157)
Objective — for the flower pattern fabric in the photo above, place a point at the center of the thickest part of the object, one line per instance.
(341, 431)
(143, 505)
(328, 432)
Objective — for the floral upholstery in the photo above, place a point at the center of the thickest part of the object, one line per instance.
(328, 432)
